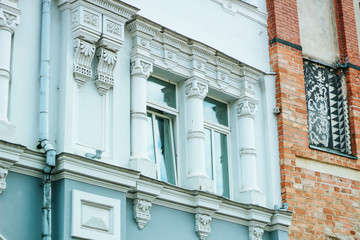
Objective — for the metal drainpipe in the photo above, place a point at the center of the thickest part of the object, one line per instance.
(44, 142)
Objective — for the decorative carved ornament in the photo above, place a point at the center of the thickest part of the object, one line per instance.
(141, 212)
(140, 67)
(104, 79)
(196, 89)
(83, 54)
(3, 175)
(328, 116)
(202, 225)
(246, 108)
(8, 19)
(256, 232)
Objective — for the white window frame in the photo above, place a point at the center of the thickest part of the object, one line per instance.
(173, 123)
(217, 127)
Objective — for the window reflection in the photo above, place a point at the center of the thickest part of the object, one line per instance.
(215, 111)
(160, 92)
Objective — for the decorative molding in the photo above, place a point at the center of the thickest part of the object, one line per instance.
(256, 231)
(138, 26)
(140, 67)
(202, 225)
(83, 55)
(172, 41)
(104, 79)
(86, 24)
(141, 211)
(200, 52)
(246, 8)
(9, 19)
(222, 62)
(196, 134)
(95, 217)
(246, 108)
(3, 175)
(222, 80)
(196, 89)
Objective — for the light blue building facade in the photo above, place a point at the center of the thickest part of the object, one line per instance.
(138, 120)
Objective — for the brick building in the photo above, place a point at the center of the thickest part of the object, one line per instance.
(314, 49)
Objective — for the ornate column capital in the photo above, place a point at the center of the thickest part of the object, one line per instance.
(202, 225)
(246, 108)
(104, 79)
(140, 67)
(141, 211)
(9, 16)
(256, 230)
(195, 88)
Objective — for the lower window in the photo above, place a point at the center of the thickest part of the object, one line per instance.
(161, 146)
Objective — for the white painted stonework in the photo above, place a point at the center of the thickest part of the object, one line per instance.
(95, 217)
(141, 210)
(202, 225)
(103, 52)
(3, 174)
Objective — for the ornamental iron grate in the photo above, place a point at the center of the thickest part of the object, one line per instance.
(328, 116)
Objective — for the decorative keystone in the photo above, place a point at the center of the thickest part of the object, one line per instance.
(83, 55)
(3, 175)
(202, 225)
(141, 212)
(104, 79)
(196, 89)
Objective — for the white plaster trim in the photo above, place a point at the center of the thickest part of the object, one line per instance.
(95, 217)
(327, 168)
(2, 238)
(245, 8)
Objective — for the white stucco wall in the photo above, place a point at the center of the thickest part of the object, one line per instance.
(83, 121)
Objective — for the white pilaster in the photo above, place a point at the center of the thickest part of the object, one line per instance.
(246, 108)
(139, 160)
(9, 19)
(141, 67)
(195, 92)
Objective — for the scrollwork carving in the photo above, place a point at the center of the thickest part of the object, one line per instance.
(256, 232)
(141, 212)
(3, 175)
(140, 67)
(246, 108)
(202, 225)
(83, 56)
(104, 79)
(196, 89)
(8, 19)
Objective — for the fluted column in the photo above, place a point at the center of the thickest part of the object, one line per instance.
(195, 92)
(9, 19)
(246, 109)
(139, 160)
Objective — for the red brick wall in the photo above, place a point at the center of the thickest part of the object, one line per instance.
(322, 203)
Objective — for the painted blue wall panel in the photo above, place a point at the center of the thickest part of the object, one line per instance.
(222, 230)
(20, 208)
(63, 190)
(165, 224)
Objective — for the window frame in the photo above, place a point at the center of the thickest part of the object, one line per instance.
(226, 130)
(173, 126)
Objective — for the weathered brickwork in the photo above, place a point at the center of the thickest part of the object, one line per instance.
(325, 206)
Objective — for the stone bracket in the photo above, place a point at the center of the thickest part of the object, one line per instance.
(104, 79)
(84, 52)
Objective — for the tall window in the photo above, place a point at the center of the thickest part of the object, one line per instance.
(161, 109)
(216, 128)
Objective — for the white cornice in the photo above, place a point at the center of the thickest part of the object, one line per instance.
(105, 6)
(131, 182)
(244, 9)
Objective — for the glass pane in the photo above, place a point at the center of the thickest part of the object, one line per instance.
(150, 139)
(215, 111)
(164, 148)
(208, 153)
(221, 164)
(161, 92)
